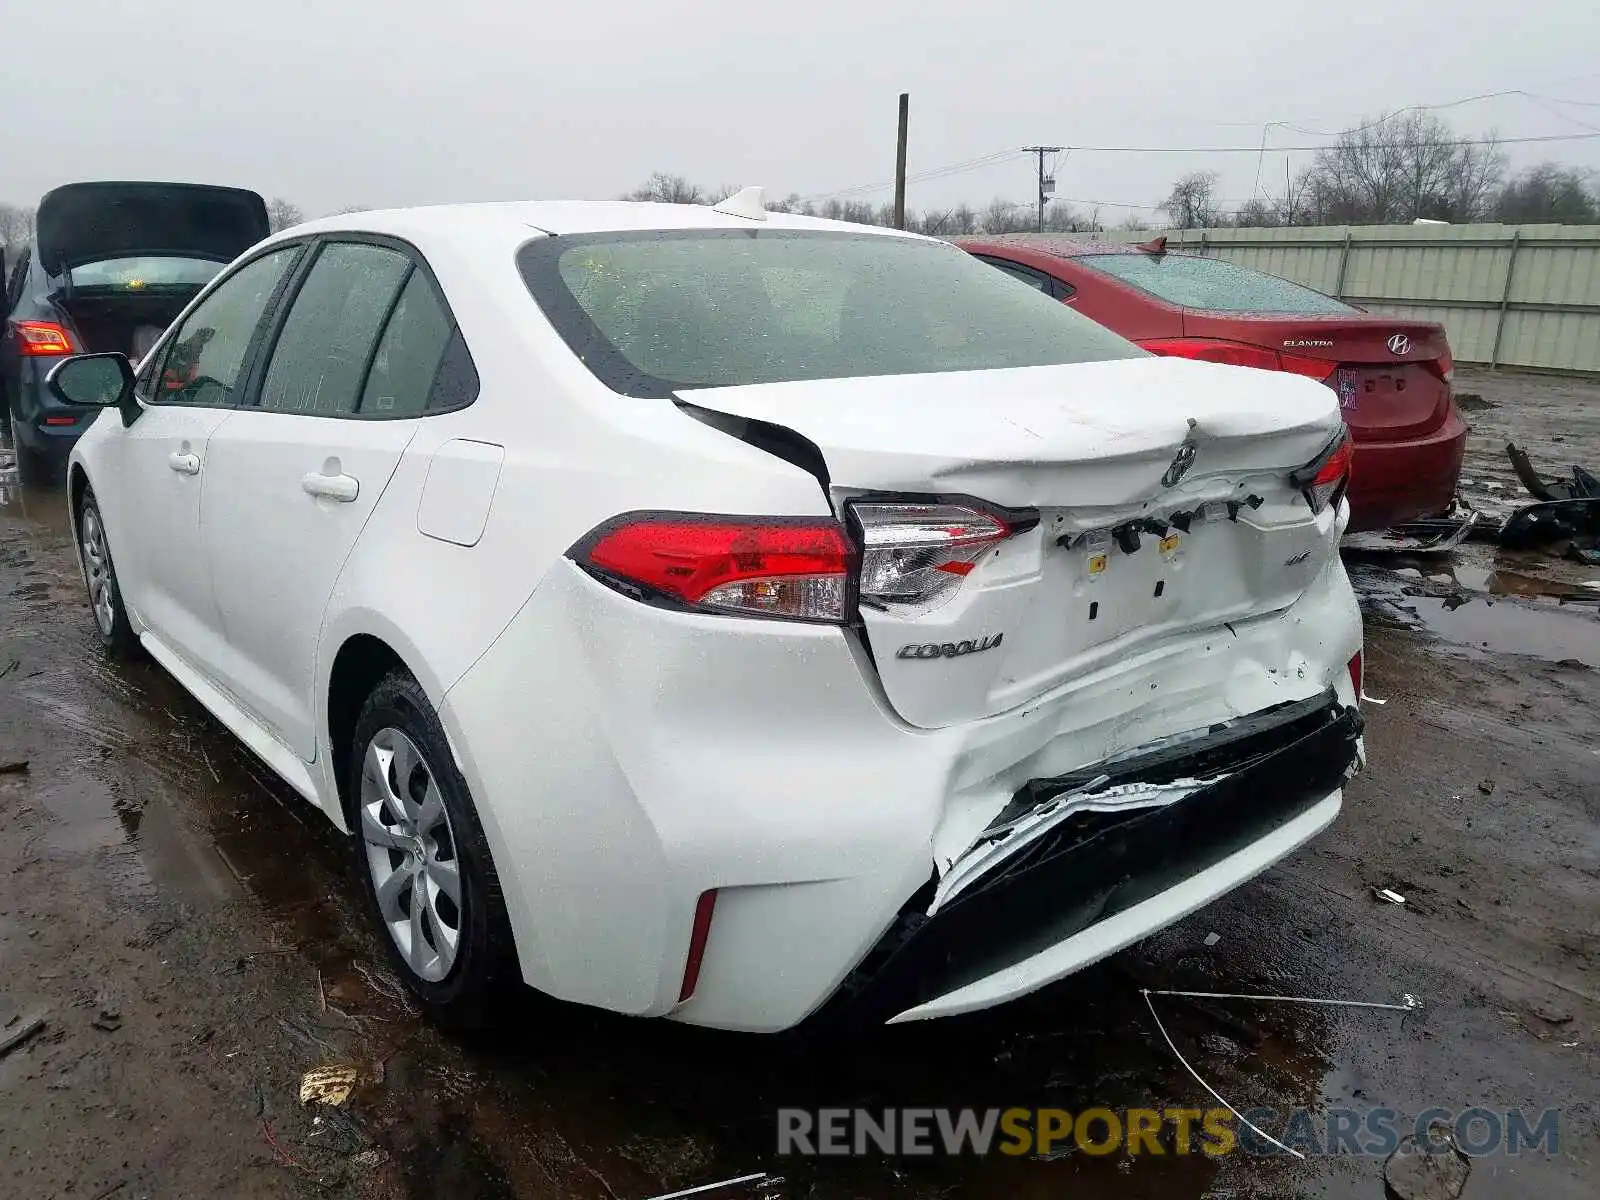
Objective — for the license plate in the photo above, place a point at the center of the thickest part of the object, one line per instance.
(1348, 387)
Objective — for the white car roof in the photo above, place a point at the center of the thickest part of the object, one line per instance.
(522, 218)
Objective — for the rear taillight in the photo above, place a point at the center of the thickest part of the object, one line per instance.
(1443, 366)
(794, 568)
(1240, 354)
(914, 556)
(40, 338)
(1325, 478)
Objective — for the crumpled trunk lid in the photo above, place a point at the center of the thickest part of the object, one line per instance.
(1115, 457)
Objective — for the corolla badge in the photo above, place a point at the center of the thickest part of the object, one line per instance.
(950, 649)
(1399, 345)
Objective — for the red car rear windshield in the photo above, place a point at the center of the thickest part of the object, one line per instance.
(1212, 284)
(655, 311)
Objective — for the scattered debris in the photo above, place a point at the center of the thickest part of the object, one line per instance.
(1212, 939)
(1388, 895)
(1486, 786)
(15, 767)
(107, 1020)
(1420, 1172)
(1566, 509)
(19, 1035)
(1552, 1016)
(330, 1085)
(1437, 536)
(1583, 485)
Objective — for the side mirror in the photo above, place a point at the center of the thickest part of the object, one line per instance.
(92, 381)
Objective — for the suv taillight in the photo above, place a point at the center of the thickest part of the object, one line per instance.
(912, 559)
(41, 338)
(914, 556)
(1325, 478)
(790, 567)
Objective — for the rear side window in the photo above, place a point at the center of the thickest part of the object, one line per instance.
(406, 363)
(205, 360)
(1211, 284)
(652, 312)
(328, 337)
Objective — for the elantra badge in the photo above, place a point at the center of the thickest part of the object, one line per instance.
(1399, 345)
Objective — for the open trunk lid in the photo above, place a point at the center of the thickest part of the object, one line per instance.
(1113, 457)
(91, 222)
(1390, 375)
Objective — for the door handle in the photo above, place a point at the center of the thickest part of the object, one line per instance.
(343, 488)
(184, 464)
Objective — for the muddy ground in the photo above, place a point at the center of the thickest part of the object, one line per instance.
(192, 937)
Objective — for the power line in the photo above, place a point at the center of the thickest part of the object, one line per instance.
(1492, 141)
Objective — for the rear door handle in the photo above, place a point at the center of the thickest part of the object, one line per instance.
(343, 488)
(184, 464)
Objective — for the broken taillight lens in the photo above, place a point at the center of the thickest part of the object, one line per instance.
(795, 568)
(915, 556)
(1325, 478)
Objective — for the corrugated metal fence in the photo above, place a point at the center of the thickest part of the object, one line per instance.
(1509, 295)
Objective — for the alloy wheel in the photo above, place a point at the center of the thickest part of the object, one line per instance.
(411, 854)
(97, 566)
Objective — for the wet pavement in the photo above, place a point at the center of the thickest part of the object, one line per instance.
(193, 937)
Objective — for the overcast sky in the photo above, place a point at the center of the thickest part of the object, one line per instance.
(381, 102)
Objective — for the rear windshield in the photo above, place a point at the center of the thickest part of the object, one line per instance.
(1211, 283)
(652, 312)
(135, 274)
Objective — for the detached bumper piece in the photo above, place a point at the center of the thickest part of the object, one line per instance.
(1268, 768)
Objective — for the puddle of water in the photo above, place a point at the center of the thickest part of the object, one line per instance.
(1555, 635)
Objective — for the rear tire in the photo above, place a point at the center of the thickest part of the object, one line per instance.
(430, 882)
(105, 594)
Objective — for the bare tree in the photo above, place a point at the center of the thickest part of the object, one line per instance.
(1259, 214)
(668, 189)
(1551, 193)
(1192, 203)
(1400, 167)
(1002, 216)
(352, 208)
(16, 228)
(281, 214)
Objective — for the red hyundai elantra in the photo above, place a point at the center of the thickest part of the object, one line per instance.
(1392, 376)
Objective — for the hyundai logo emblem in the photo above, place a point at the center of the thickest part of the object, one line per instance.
(1399, 345)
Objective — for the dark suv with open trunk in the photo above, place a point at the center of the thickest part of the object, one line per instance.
(111, 265)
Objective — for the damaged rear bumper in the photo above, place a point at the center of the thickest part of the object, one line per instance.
(1097, 881)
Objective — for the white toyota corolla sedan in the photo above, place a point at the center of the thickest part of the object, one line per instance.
(729, 616)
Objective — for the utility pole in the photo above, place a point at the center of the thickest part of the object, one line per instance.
(900, 163)
(1041, 151)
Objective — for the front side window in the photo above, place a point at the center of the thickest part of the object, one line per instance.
(205, 361)
(1212, 284)
(653, 312)
(329, 334)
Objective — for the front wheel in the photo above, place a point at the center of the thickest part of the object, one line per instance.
(105, 595)
(430, 882)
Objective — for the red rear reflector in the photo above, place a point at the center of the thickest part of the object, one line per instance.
(698, 934)
(61, 420)
(41, 338)
(794, 567)
(1355, 675)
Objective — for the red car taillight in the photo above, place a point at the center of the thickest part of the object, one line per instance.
(41, 338)
(1325, 478)
(1443, 366)
(1240, 354)
(756, 566)
(912, 558)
